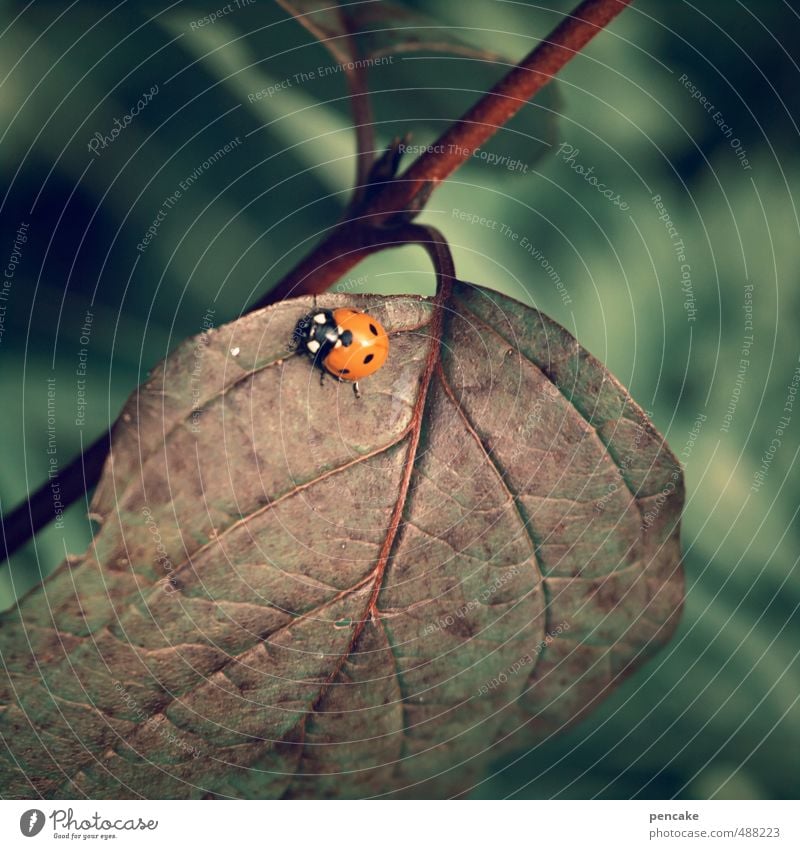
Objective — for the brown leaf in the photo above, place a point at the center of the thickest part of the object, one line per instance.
(297, 593)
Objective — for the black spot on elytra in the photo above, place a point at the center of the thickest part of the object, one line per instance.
(373, 330)
(344, 371)
(369, 358)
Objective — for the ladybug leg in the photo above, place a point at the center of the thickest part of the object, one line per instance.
(321, 377)
(356, 390)
(300, 334)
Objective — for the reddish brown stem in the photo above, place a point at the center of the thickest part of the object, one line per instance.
(344, 247)
(504, 100)
(81, 475)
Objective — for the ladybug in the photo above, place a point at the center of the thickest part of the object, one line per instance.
(344, 343)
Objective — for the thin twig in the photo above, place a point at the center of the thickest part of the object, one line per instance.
(361, 109)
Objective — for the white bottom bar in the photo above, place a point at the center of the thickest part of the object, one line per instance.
(400, 825)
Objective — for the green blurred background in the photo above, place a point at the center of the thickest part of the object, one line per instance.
(716, 713)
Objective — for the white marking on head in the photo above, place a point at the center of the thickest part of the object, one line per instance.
(338, 343)
(330, 335)
(339, 329)
(320, 318)
(313, 346)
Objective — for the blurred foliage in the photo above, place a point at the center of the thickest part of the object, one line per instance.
(716, 714)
